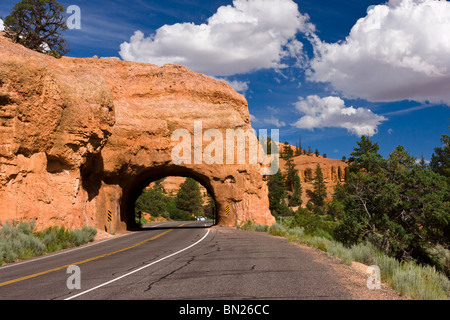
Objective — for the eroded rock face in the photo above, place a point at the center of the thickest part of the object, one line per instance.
(334, 172)
(79, 137)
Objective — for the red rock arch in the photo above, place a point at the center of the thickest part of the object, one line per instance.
(79, 136)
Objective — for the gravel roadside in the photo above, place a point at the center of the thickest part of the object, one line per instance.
(353, 278)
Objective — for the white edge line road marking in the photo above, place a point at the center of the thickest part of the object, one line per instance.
(139, 269)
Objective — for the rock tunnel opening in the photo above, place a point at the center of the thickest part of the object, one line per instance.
(175, 198)
(155, 176)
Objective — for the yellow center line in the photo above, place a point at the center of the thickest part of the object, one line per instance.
(87, 260)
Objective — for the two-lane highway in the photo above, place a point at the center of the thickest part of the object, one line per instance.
(183, 261)
(100, 264)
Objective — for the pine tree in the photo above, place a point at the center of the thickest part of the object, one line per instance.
(277, 194)
(440, 160)
(300, 144)
(320, 189)
(209, 208)
(152, 201)
(291, 171)
(422, 162)
(290, 175)
(269, 146)
(398, 205)
(189, 197)
(296, 199)
(287, 151)
(37, 25)
(365, 156)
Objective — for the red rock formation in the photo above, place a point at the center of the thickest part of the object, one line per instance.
(79, 137)
(334, 171)
(171, 186)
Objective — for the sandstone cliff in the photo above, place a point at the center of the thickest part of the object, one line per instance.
(172, 185)
(81, 137)
(334, 171)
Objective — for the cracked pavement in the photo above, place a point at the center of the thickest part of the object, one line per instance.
(172, 263)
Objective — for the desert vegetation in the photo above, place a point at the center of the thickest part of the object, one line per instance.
(38, 25)
(392, 212)
(414, 280)
(20, 240)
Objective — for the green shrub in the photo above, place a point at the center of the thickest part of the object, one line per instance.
(277, 230)
(58, 238)
(387, 265)
(18, 240)
(261, 228)
(84, 235)
(363, 253)
(319, 232)
(320, 243)
(314, 224)
(414, 280)
(54, 238)
(248, 225)
(420, 282)
(337, 249)
(254, 227)
(408, 278)
(441, 258)
(295, 234)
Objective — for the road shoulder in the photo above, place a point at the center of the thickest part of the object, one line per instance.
(353, 278)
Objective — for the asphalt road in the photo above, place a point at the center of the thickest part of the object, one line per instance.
(177, 260)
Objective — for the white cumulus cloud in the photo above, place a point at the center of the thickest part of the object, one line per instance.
(2, 27)
(239, 38)
(331, 112)
(239, 86)
(254, 119)
(275, 122)
(400, 50)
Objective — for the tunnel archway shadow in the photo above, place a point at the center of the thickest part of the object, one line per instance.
(133, 189)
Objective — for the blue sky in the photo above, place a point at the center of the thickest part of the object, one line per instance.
(327, 70)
